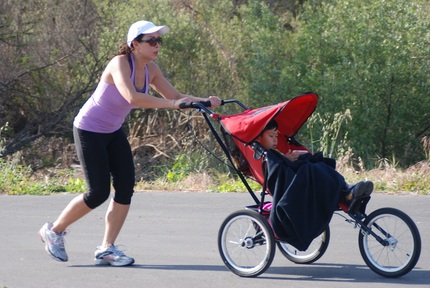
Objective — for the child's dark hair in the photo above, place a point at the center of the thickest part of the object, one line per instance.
(271, 125)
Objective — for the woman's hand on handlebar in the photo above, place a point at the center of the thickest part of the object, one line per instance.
(189, 102)
(215, 101)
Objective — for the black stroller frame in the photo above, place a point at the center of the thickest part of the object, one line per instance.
(247, 243)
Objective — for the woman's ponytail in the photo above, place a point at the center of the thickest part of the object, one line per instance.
(124, 49)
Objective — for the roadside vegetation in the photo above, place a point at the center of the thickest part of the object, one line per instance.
(387, 179)
(192, 172)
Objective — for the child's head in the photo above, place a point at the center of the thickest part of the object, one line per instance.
(268, 138)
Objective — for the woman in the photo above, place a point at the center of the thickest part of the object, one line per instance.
(102, 146)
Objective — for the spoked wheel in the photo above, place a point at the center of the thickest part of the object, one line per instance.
(246, 243)
(315, 251)
(399, 245)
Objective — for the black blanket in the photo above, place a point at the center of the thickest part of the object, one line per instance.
(305, 195)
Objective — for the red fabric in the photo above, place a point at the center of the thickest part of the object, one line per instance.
(290, 116)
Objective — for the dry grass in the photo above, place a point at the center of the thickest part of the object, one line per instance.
(387, 177)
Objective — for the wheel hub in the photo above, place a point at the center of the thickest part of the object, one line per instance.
(247, 243)
(392, 242)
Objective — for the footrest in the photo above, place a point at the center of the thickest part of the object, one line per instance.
(358, 204)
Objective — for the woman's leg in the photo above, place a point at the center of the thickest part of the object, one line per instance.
(115, 218)
(122, 169)
(74, 211)
(92, 153)
(91, 149)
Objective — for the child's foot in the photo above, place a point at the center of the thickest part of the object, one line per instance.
(369, 188)
(360, 189)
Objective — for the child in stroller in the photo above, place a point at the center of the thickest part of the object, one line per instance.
(268, 139)
(305, 187)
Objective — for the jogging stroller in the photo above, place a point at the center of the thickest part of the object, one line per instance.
(389, 240)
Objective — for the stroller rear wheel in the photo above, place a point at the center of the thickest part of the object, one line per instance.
(315, 251)
(395, 246)
(246, 243)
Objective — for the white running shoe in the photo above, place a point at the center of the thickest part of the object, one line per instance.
(112, 256)
(54, 242)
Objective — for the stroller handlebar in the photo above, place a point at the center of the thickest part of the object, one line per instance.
(204, 104)
(199, 104)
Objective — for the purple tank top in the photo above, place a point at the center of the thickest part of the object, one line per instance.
(106, 109)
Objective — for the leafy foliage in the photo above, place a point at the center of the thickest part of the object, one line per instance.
(366, 57)
(370, 57)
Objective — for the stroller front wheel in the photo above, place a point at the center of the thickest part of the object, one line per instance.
(246, 243)
(395, 246)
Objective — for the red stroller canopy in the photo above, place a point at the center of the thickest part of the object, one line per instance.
(290, 116)
(246, 126)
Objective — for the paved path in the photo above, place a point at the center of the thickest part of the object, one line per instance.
(173, 237)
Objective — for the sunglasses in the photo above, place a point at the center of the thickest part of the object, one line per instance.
(153, 41)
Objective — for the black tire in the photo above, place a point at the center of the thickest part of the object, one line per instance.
(315, 251)
(246, 243)
(402, 248)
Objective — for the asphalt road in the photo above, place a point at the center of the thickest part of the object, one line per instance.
(173, 237)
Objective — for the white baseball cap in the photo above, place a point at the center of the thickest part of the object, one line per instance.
(144, 27)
